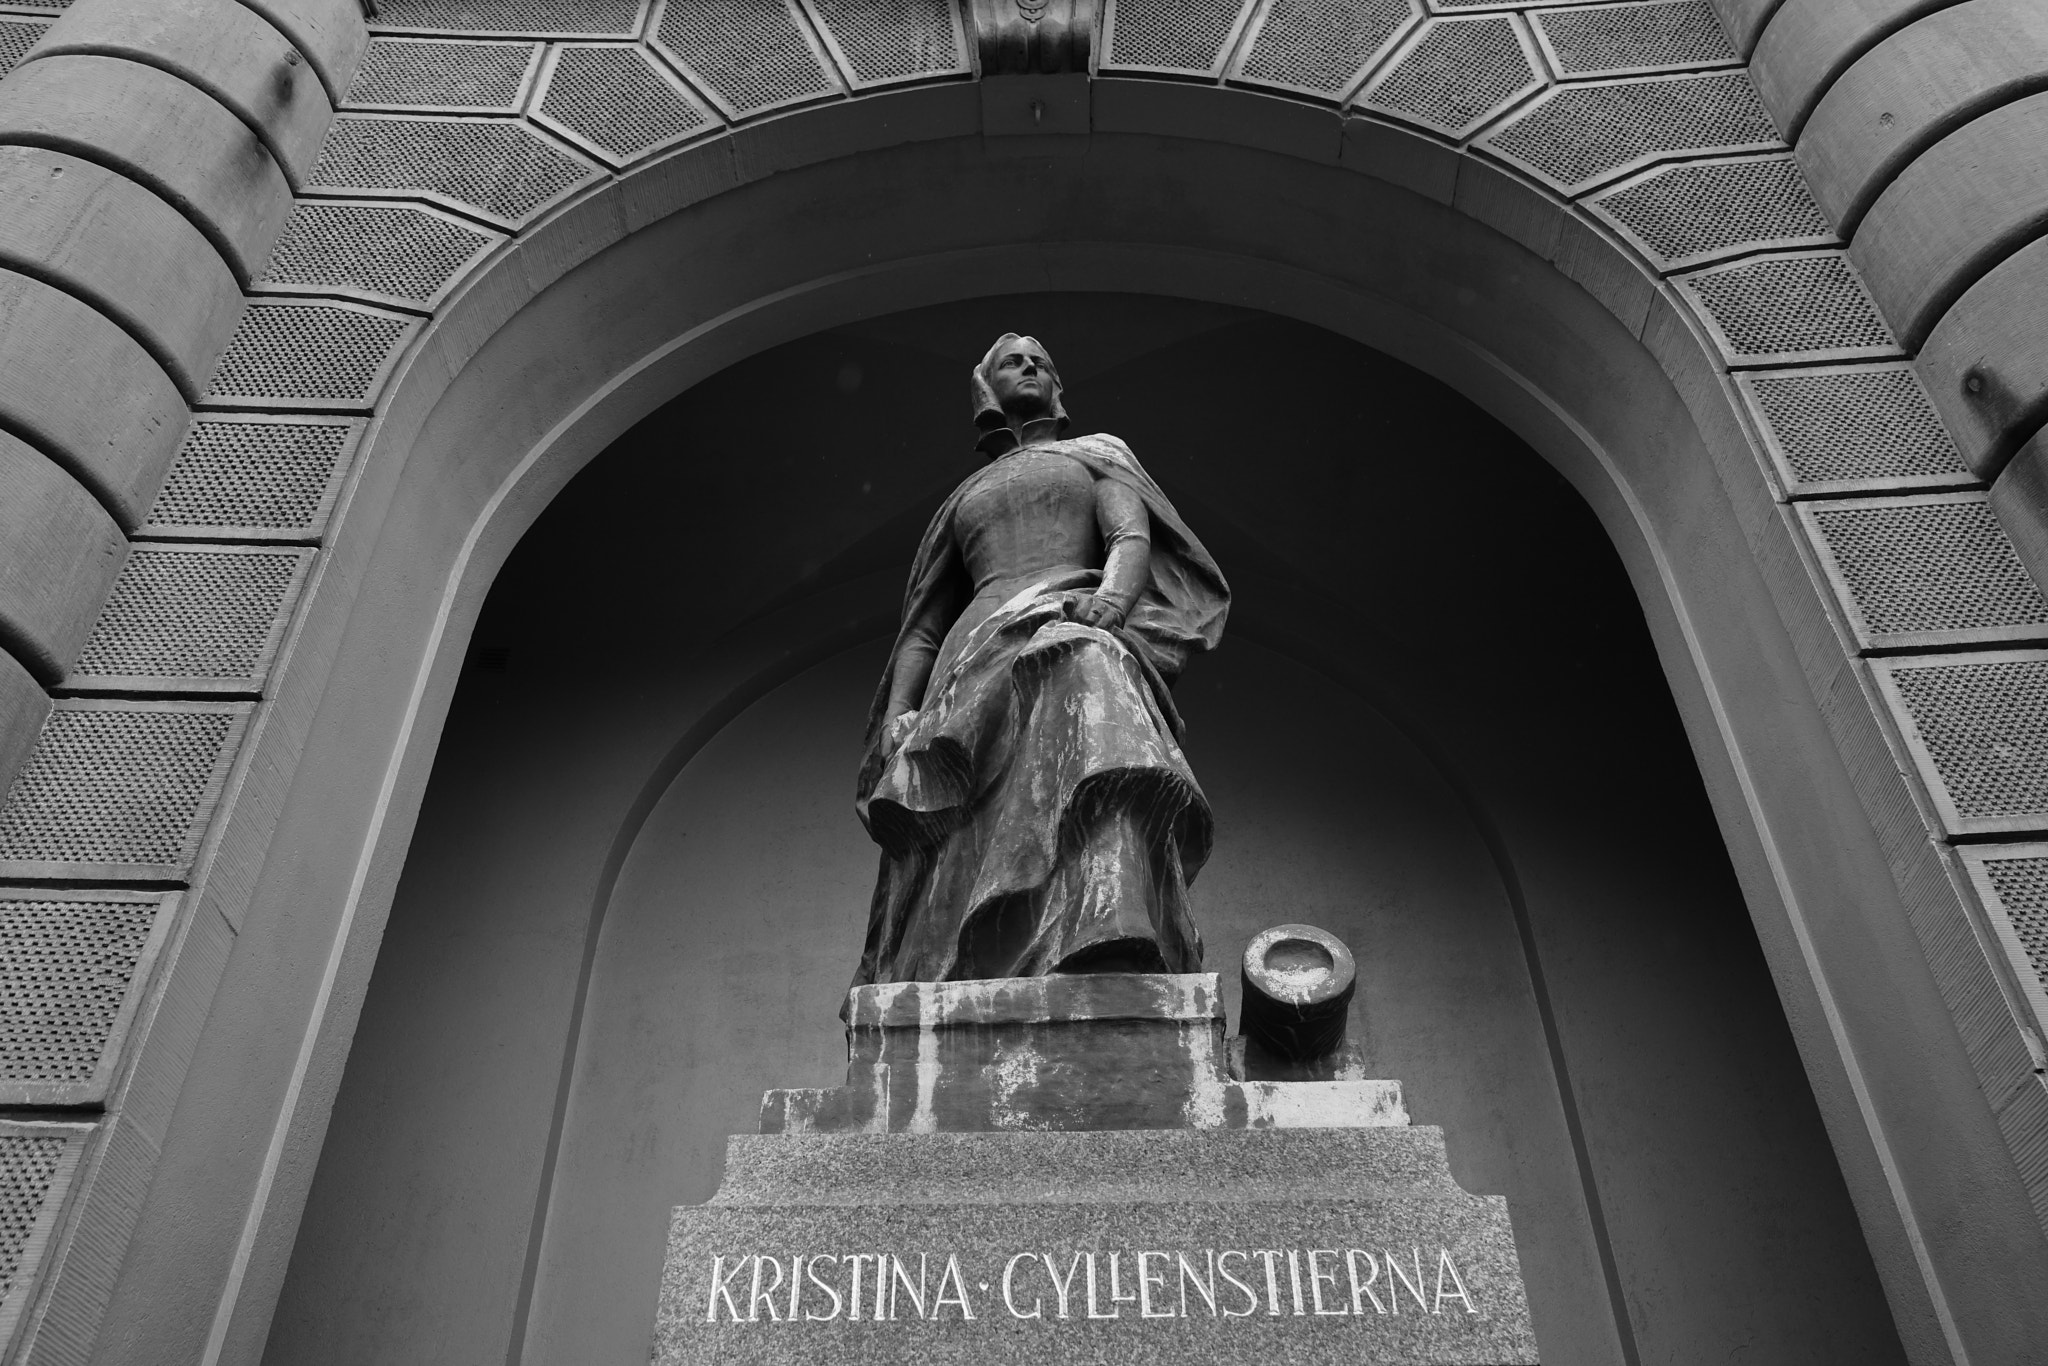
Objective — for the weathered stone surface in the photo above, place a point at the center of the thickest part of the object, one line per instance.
(84, 393)
(1298, 983)
(162, 131)
(106, 239)
(1096, 1051)
(221, 46)
(59, 555)
(1189, 1247)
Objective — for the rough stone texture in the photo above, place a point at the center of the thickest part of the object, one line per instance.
(977, 1216)
(160, 130)
(1911, 89)
(134, 257)
(330, 32)
(1098, 1051)
(82, 391)
(224, 48)
(23, 708)
(2020, 497)
(59, 554)
(1806, 44)
(1967, 202)
(1986, 361)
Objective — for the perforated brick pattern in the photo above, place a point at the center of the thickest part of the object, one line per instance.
(1170, 35)
(1866, 424)
(1984, 728)
(540, 18)
(422, 73)
(1578, 135)
(191, 614)
(2022, 888)
(612, 99)
(27, 1166)
(885, 41)
(16, 37)
(1321, 46)
(65, 968)
(311, 353)
(498, 168)
(1925, 571)
(1460, 72)
(1606, 40)
(1783, 307)
(115, 785)
(751, 54)
(385, 251)
(1688, 214)
(253, 477)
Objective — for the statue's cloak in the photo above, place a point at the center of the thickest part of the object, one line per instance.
(1040, 809)
(1180, 613)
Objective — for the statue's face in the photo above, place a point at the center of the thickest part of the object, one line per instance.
(1024, 381)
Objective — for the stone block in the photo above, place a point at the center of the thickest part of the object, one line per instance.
(1743, 19)
(24, 706)
(1986, 360)
(1238, 117)
(750, 56)
(1171, 38)
(331, 34)
(118, 792)
(1454, 75)
(224, 48)
(196, 620)
(1192, 1248)
(87, 395)
(106, 239)
(1400, 157)
(1967, 203)
(2020, 498)
(1100, 1051)
(59, 555)
(1910, 90)
(168, 134)
(1806, 45)
(1321, 51)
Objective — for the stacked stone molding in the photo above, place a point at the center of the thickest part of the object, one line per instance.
(226, 225)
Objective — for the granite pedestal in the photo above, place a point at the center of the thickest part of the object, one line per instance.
(957, 1201)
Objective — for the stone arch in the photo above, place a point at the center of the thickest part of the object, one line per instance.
(1606, 245)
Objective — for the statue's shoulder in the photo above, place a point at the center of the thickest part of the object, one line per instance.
(1107, 448)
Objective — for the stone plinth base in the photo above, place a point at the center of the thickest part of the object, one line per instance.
(1189, 1247)
(1145, 1206)
(1104, 1051)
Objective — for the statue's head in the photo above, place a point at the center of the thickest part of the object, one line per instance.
(1016, 379)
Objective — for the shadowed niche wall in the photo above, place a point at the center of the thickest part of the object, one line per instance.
(1438, 727)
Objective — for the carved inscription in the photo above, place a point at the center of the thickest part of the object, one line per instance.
(930, 1287)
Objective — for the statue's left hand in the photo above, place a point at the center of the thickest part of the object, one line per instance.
(1091, 610)
(896, 732)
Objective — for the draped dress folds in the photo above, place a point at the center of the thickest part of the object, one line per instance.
(1039, 815)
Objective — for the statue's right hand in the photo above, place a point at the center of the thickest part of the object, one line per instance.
(895, 732)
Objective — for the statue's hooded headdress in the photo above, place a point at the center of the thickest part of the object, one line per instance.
(989, 418)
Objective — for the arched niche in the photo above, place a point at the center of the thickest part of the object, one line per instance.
(669, 275)
(625, 911)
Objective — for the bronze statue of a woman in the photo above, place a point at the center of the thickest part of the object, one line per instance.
(1023, 772)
